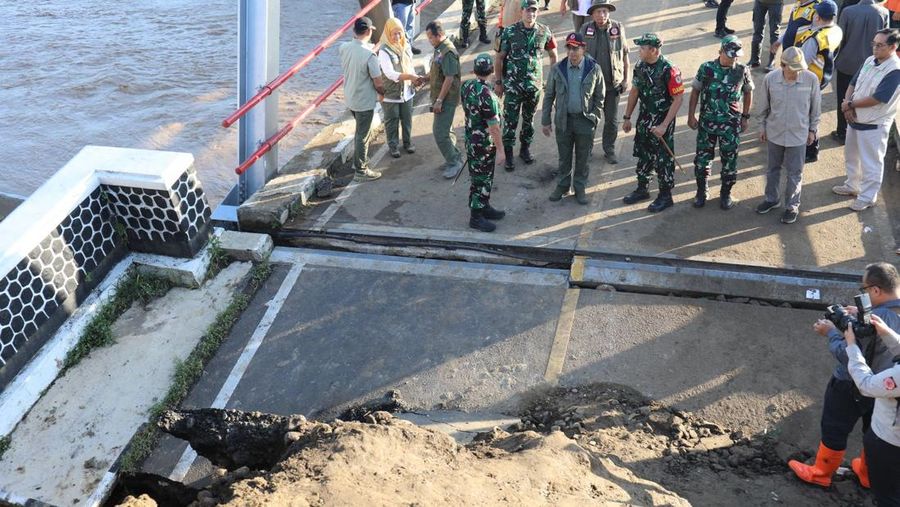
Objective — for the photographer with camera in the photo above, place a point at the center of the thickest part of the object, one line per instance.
(843, 404)
(882, 441)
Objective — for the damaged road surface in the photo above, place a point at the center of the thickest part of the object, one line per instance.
(332, 331)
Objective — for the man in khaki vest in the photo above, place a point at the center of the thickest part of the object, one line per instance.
(607, 45)
(445, 81)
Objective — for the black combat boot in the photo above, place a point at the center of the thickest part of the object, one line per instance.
(754, 56)
(478, 221)
(510, 164)
(639, 194)
(463, 36)
(525, 153)
(702, 193)
(483, 36)
(662, 201)
(726, 202)
(492, 213)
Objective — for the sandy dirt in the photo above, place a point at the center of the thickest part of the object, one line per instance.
(597, 444)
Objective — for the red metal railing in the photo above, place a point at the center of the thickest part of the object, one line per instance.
(269, 143)
(303, 62)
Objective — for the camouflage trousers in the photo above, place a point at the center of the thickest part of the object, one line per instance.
(481, 173)
(652, 156)
(515, 101)
(467, 12)
(728, 139)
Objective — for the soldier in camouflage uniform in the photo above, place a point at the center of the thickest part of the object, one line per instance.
(657, 84)
(479, 17)
(725, 91)
(519, 78)
(482, 111)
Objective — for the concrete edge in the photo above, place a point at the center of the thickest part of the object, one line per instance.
(246, 246)
(182, 272)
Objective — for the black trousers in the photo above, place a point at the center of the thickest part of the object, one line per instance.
(842, 408)
(842, 82)
(722, 14)
(883, 460)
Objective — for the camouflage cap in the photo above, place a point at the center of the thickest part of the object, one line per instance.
(484, 63)
(732, 46)
(649, 39)
(526, 4)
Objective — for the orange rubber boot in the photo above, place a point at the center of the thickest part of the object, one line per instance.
(827, 461)
(861, 469)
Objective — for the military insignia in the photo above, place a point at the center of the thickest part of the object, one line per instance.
(589, 32)
(614, 32)
(889, 384)
(677, 77)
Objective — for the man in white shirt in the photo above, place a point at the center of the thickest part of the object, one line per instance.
(869, 107)
(579, 10)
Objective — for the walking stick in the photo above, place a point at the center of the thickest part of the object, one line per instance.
(669, 150)
(460, 171)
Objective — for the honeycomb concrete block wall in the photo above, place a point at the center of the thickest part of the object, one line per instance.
(64, 239)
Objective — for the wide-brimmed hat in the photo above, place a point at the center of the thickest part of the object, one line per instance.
(793, 58)
(600, 3)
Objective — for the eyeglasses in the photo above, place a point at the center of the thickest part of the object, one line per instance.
(879, 45)
(866, 287)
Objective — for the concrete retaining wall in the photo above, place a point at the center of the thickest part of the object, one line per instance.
(60, 242)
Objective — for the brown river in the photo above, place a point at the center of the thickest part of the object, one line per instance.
(154, 74)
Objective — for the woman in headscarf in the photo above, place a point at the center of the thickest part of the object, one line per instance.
(395, 59)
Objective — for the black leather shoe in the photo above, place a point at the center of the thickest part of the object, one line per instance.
(510, 164)
(557, 193)
(662, 201)
(639, 194)
(477, 221)
(712, 4)
(416, 51)
(525, 153)
(728, 31)
(492, 213)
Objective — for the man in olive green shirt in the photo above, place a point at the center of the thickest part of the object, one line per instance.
(607, 45)
(445, 82)
(362, 89)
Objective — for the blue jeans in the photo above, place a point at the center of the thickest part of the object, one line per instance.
(406, 14)
(760, 12)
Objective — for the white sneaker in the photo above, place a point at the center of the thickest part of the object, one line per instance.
(859, 205)
(843, 190)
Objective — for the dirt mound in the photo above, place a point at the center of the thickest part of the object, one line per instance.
(395, 462)
(597, 444)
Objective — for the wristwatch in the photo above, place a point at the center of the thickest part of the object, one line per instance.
(745, 116)
(626, 117)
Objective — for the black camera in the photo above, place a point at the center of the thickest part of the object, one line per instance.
(861, 324)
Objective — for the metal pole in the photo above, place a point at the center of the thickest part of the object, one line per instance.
(379, 16)
(258, 36)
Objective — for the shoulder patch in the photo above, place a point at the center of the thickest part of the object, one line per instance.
(614, 32)
(889, 384)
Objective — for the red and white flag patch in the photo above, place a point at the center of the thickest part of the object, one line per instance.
(889, 384)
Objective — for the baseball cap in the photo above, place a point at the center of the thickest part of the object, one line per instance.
(600, 3)
(732, 46)
(527, 4)
(649, 39)
(826, 9)
(575, 39)
(793, 59)
(362, 24)
(484, 62)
